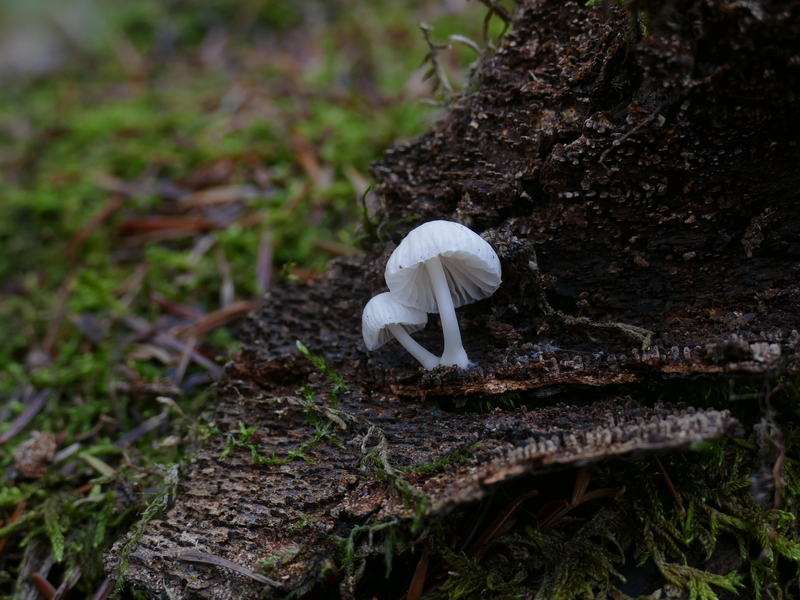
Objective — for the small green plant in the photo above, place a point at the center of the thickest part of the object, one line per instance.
(243, 441)
(319, 363)
(157, 506)
(459, 455)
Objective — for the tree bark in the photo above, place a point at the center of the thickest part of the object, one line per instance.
(629, 183)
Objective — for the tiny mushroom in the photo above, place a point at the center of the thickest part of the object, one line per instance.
(384, 317)
(439, 266)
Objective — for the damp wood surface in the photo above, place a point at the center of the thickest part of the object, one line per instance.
(628, 182)
(292, 511)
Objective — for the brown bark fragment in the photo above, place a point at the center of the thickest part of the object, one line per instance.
(288, 514)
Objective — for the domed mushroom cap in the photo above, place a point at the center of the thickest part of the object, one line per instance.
(470, 264)
(384, 310)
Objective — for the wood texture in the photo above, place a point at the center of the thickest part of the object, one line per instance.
(627, 182)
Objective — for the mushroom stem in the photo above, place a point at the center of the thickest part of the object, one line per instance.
(454, 353)
(427, 359)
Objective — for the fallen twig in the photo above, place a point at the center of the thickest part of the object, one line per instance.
(26, 416)
(47, 589)
(141, 429)
(175, 308)
(219, 318)
(209, 559)
(104, 590)
(191, 344)
(140, 325)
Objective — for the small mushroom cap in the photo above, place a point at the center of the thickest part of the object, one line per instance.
(384, 310)
(470, 265)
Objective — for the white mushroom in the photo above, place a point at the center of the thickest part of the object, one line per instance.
(384, 317)
(439, 266)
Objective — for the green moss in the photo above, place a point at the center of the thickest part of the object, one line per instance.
(590, 552)
(155, 508)
(459, 455)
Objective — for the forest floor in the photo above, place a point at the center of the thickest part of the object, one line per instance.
(163, 166)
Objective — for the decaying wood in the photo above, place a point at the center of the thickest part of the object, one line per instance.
(628, 184)
(368, 472)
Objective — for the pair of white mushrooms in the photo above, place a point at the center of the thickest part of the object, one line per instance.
(438, 267)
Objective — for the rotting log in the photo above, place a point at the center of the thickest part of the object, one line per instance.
(628, 182)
